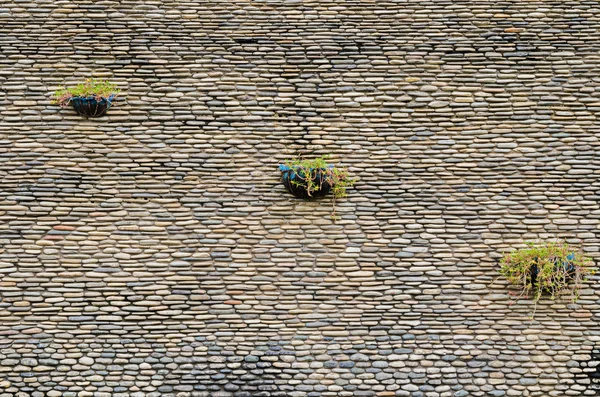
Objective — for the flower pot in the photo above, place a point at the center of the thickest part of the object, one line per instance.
(568, 267)
(295, 182)
(91, 106)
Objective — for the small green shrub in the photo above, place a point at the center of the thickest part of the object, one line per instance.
(90, 87)
(306, 171)
(312, 174)
(553, 268)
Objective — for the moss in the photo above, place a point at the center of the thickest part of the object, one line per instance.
(90, 87)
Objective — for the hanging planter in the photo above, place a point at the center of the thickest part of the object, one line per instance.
(91, 98)
(92, 106)
(310, 179)
(551, 268)
(301, 185)
(564, 268)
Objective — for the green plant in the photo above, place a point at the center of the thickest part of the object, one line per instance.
(313, 174)
(554, 268)
(90, 87)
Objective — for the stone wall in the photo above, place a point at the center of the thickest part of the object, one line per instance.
(154, 251)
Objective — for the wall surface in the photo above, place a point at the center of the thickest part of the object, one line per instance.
(154, 251)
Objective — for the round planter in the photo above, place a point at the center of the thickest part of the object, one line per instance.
(90, 106)
(294, 182)
(567, 266)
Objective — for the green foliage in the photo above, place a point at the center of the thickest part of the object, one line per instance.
(90, 87)
(554, 268)
(307, 171)
(307, 176)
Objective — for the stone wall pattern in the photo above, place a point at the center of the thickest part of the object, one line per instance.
(154, 251)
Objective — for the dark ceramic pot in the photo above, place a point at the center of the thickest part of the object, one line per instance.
(568, 267)
(294, 182)
(90, 106)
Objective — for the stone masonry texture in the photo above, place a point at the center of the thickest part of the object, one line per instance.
(154, 251)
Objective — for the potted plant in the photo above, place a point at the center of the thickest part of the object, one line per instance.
(552, 268)
(92, 98)
(308, 179)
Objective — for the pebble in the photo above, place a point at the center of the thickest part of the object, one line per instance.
(86, 361)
